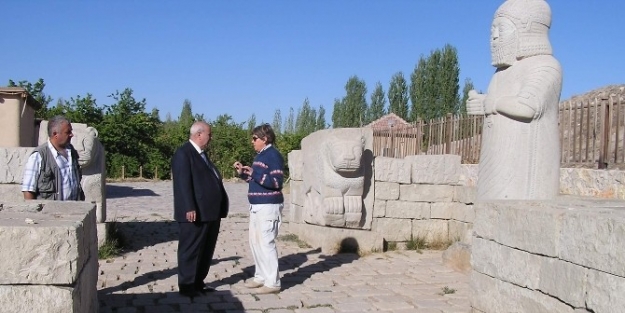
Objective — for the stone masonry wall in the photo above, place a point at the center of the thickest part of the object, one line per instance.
(566, 255)
(50, 257)
(420, 197)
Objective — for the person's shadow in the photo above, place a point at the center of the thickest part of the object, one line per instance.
(347, 254)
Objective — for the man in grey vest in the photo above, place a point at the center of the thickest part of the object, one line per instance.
(52, 171)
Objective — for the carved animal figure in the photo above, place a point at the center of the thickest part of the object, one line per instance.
(333, 178)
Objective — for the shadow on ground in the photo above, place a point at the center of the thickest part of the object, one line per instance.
(117, 191)
(138, 235)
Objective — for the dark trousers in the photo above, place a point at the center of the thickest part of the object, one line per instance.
(196, 245)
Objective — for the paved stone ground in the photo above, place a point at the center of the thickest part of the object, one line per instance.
(144, 278)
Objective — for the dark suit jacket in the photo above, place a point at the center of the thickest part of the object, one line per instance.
(196, 188)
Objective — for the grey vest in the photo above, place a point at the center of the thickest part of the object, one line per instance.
(48, 187)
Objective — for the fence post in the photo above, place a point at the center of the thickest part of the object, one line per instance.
(123, 172)
(449, 134)
(156, 172)
(605, 138)
(140, 171)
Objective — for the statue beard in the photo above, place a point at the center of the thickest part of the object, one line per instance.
(503, 53)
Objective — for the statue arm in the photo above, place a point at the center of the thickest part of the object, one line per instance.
(530, 102)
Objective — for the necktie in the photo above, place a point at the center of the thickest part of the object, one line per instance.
(209, 163)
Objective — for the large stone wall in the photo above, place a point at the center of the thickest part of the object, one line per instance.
(566, 255)
(50, 261)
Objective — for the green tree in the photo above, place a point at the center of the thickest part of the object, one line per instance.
(306, 119)
(378, 101)
(354, 102)
(398, 96)
(251, 123)
(338, 114)
(448, 74)
(290, 122)
(36, 91)
(321, 119)
(418, 88)
(128, 134)
(230, 143)
(461, 107)
(277, 122)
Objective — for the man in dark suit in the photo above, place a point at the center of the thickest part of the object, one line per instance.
(200, 202)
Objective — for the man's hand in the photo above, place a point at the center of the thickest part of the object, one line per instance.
(238, 167)
(191, 216)
(247, 170)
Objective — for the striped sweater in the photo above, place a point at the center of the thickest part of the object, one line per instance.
(265, 183)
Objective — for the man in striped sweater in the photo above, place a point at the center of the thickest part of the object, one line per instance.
(265, 178)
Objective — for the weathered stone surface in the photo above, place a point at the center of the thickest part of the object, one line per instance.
(297, 192)
(460, 231)
(296, 164)
(605, 292)
(506, 264)
(435, 169)
(564, 280)
(468, 175)
(493, 296)
(386, 191)
(11, 192)
(393, 229)
(594, 183)
(330, 238)
(453, 210)
(12, 162)
(431, 230)
(51, 251)
(530, 226)
(404, 209)
(426, 193)
(379, 208)
(296, 214)
(392, 170)
(465, 194)
(458, 257)
(594, 237)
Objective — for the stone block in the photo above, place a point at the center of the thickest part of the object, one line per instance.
(565, 281)
(295, 161)
(465, 194)
(393, 229)
(12, 162)
(379, 208)
(426, 193)
(11, 192)
(330, 238)
(460, 231)
(503, 263)
(297, 192)
(594, 238)
(435, 169)
(463, 212)
(392, 170)
(386, 191)
(458, 257)
(605, 292)
(405, 209)
(296, 214)
(431, 230)
(442, 210)
(468, 175)
(526, 225)
(51, 251)
(490, 295)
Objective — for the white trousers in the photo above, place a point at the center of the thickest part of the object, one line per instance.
(265, 220)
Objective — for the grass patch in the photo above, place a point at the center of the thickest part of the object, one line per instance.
(114, 244)
(447, 291)
(293, 238)
(416, 243)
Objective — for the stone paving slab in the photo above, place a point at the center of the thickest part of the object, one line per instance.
(144, 279)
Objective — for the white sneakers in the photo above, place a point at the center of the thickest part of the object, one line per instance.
(253, 284)
(262, 289)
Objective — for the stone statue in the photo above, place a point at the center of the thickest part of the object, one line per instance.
(91, 157)
(334, 176)
(520, 155)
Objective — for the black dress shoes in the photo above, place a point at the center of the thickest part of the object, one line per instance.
(188, 291)
(206, 289)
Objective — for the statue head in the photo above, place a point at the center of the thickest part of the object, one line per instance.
(520, 29)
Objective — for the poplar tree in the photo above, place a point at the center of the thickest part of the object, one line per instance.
(398, 96)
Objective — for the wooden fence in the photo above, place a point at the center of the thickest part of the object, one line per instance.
(591, 135)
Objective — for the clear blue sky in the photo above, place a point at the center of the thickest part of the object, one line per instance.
(252, 57)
